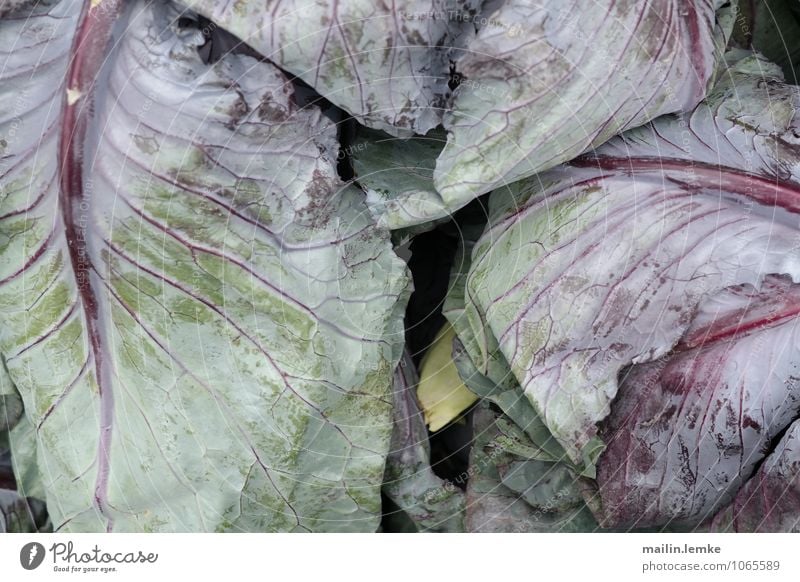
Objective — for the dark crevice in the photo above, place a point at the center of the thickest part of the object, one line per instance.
(770, 448)
(431, 261)
(347, 130)
(11, 8)
(450, 449)
(455, 77)
(432, 255)
(7, 480)
(305, 96)
(394, 519)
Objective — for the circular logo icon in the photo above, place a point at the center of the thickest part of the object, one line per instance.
(31, 555)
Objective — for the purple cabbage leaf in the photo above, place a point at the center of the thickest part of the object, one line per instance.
(770, 500)
(651, 287)
(386, 63)
(199, 316)
(546, 81)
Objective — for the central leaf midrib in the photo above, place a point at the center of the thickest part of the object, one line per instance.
(87, 58)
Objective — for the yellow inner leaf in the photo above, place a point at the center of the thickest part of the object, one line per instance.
(441, 393)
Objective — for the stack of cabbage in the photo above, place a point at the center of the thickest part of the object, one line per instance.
(203, 209)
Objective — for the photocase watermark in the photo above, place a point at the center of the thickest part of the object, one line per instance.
(64, 557)
(512, 30)
(351, 149)
(742, 21)
(31, 555)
